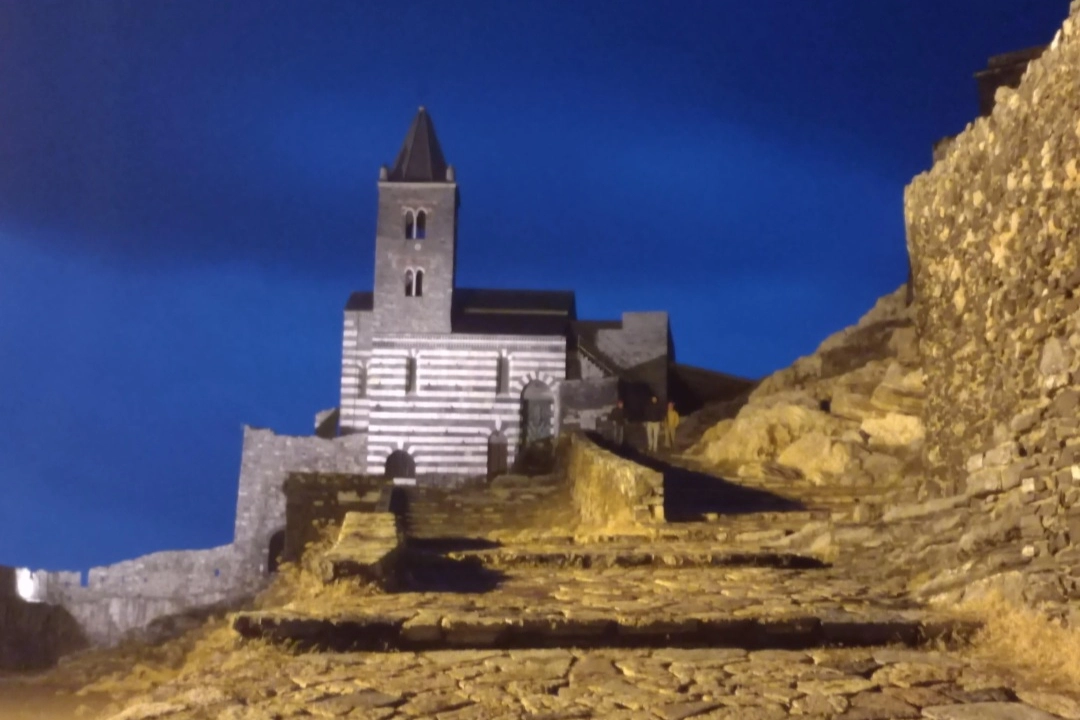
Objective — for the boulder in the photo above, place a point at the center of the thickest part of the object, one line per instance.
(895, 430)
(817, 456)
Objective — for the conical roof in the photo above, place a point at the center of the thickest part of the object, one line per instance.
(420, 158)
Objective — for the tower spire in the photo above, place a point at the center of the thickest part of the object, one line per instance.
(420, 158)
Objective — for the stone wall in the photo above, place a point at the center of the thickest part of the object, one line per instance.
(994, 238)
(607, 490)
(585, 403)
(267, 459)
(129, 595)
(313, 498)
(642, 337)
(510, 502)
(33, 635)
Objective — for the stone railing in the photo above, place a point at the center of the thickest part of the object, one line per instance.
(608, 490)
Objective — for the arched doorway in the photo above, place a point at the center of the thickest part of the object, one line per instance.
(497, 455)
(537, 413)
(277, 547)
(399, 464)
(537, 428)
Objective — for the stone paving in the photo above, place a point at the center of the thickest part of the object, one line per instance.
(733, 617)
(560, 684)
(613, 606)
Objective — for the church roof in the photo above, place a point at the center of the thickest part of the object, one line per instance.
(361, 300)
(420, 158)
(512, 312)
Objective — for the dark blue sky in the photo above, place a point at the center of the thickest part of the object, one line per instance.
(187, 197)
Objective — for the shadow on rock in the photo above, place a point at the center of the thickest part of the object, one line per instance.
(452, 544)
(431, 572)
(690, 495)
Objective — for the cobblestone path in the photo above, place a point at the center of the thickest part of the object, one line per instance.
(732, 618)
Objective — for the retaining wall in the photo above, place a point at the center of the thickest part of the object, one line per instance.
(608, 490)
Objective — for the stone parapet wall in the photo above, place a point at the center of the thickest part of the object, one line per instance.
(510, 502)
(607, 490)
(129, 595)
(267, 459)
(994, 240)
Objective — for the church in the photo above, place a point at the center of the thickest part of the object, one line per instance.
(451, 382)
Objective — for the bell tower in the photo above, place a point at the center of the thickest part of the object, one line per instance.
(416, 237)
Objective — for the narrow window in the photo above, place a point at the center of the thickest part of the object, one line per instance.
(418, 288)
(408, 283)
(361, 381)
(410, 374)
(421, 225)
(502, 381)
(410, 225)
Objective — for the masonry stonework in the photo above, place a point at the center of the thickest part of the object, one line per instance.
(994, 237)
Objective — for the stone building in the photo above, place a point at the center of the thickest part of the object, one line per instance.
(445, 381)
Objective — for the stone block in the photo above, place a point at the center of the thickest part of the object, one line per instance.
(985, 481)
(1024, 421)
(1003, 454)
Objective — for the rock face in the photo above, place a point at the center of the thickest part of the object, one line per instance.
(994, 238)
(849, 414)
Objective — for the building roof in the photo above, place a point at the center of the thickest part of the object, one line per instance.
(361, 300)
(585, 341)
(420, 158)
(512, 312)
(1015, 57)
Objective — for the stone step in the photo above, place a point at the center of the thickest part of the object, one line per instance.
(416, 631)
(367, 548)
(605, 556)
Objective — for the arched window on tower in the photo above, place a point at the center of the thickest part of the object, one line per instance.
(421, 224)
(418, 287)
(408, 283)
(410, 225)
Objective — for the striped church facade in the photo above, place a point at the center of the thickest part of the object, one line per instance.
(441, 399)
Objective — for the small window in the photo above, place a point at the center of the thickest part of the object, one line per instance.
(418, 287)
(410, 225)
(502, 377)
(409, 283)
(421, 225)
(410, 374)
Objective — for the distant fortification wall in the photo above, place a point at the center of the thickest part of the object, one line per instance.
(32, 635)
(117, 599)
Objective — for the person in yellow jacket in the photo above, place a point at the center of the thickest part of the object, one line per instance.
(671, 422)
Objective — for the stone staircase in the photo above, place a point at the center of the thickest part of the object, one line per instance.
(368, 548)
(742, 580)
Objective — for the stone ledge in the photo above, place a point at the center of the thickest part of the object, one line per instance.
(593, 558)
(409, 631)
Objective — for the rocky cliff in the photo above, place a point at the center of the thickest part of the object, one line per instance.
(849, 414)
